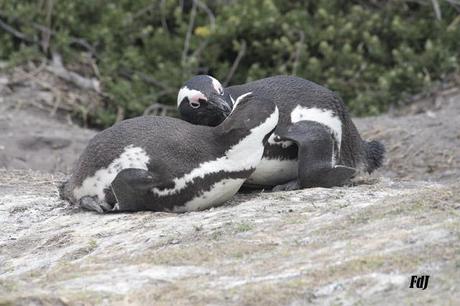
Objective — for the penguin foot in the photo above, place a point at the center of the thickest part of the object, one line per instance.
(289, 186)
(331, 177)
(337, 176)
(326, 177)
(90, 203)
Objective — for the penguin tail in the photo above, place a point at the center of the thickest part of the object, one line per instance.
(375, 153)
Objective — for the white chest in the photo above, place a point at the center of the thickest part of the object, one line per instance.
(219, 193)
(273, 172)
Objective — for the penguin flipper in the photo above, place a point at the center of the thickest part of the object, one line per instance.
(89, 203)
(315, 157)
(131, 189)
(291, 185)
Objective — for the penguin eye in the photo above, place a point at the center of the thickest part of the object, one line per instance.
(194, 104)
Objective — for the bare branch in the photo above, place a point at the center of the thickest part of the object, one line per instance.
(455, 4)
(73, 40)
(15, 32)
(164, 24)
(298, 53)
(127, 73)
(45, 30)
(204, 7)
(200, 48)
(188, 35)
(158, 109)
(120, 114)
(46, 36)
(58, 69)
(212, 21)
(437, 9)
(236, 63)
(144, 10)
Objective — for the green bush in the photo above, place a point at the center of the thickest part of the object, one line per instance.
(373, 53)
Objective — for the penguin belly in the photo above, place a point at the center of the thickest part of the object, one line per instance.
(272, 172)
(278, 165)
(219, 193)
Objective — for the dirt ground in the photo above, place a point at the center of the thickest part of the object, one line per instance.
(341, 246)
(423, 141)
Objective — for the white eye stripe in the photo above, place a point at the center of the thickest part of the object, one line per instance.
(217, 86)
(191, 94)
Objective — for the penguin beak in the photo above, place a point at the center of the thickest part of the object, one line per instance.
(221, 105)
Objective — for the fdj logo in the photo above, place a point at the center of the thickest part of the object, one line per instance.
(420, 282)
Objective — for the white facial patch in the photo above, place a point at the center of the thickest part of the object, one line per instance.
(323, 116)
(132, 157)
(274, 172)
(219, 193)
(217, 86)
(191, 94)
(246, 154)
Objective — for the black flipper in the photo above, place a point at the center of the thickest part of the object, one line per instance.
(291, 185)
(132, 189)
(316, 149)
(89, 203)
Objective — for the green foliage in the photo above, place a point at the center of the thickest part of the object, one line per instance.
(373, 53)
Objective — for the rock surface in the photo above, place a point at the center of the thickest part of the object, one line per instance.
(316, 246)
(349, 245)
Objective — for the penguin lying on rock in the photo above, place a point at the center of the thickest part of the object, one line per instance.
(167, 164)
(315, 143)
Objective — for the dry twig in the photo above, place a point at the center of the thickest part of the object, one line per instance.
(188, 35)
(58, 69)
(298, 53)
(236, 63)
(204, 7)
(157, 109)
(15, 32)
(437, 9)
(46, 36)
(164, 24)
(127, 73)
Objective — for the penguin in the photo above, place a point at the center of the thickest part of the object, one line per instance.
(315, 143)
(167, 164)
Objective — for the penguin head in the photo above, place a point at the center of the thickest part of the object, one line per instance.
(203, 100)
